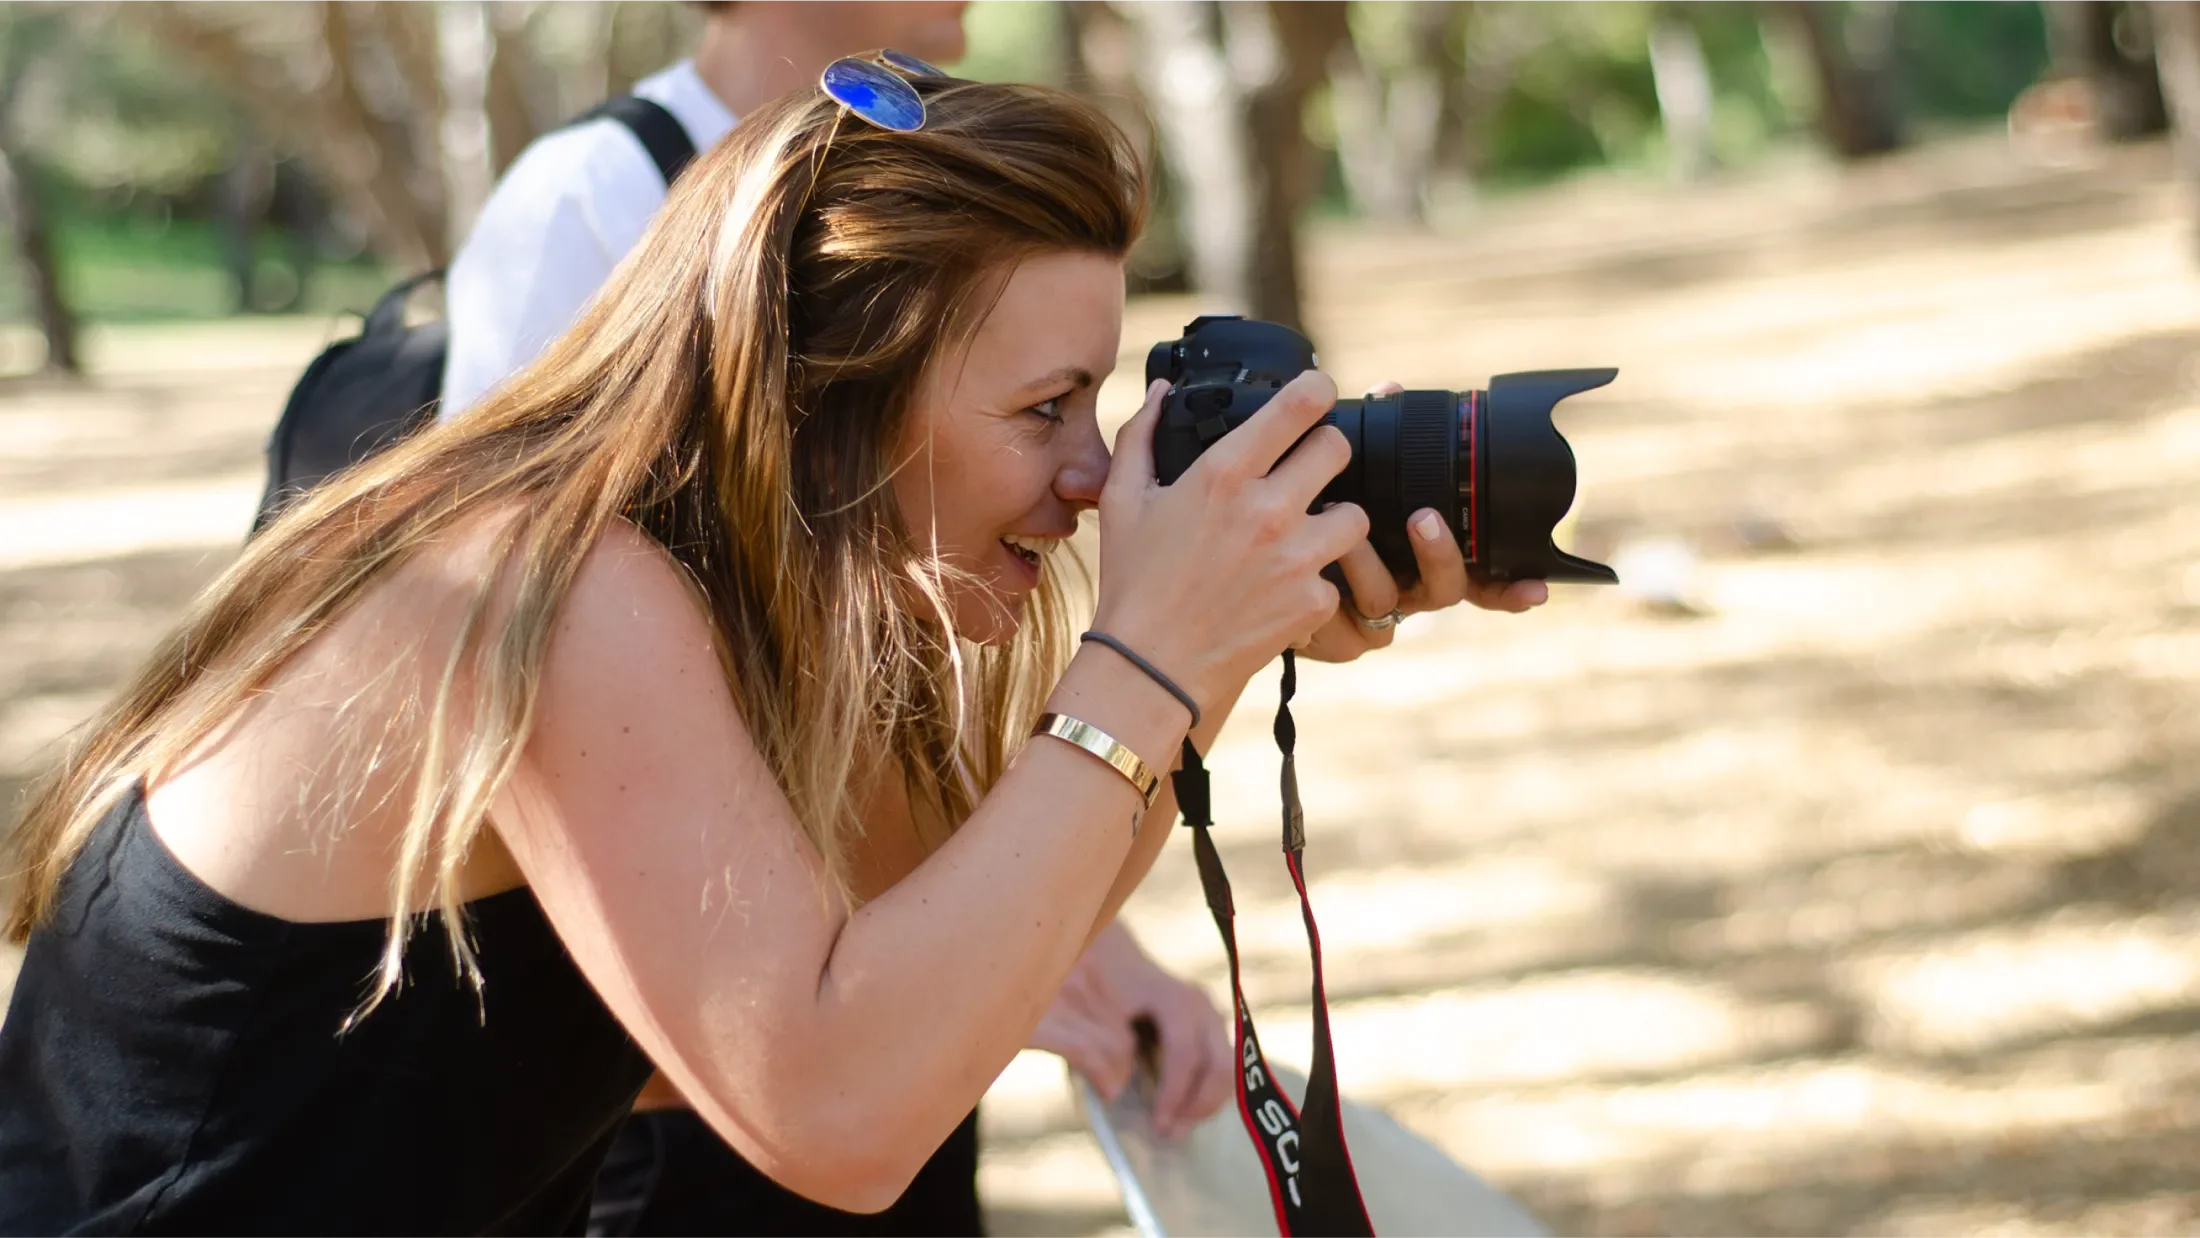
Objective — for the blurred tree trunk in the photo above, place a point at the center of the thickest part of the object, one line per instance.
(1299, 35)
(641, 39)
(242, 194)
(345, 87)
(1852, 55)
(2105, 45)
(27, 223)
(463, 51)
(1389, 103)
(1682, 80)
(408, 112)
(1494, 39)
(2177, 59)
(517, 92)
(1228, 84)
(1102, 57)
(34, 246)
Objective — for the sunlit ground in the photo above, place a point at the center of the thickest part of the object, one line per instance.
(1851, 884)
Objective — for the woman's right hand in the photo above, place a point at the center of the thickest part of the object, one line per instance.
(1211, 577)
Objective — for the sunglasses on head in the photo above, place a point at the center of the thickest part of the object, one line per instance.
(874, 87)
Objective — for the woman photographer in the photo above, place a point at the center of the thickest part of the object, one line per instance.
(676, 705)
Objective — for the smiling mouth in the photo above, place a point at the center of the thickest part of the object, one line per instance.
(1031, 550)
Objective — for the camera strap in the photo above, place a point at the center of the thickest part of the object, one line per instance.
(1310, 1178)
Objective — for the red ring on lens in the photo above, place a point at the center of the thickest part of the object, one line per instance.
(1470, 419)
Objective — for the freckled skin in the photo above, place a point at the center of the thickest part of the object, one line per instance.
(1006, 435)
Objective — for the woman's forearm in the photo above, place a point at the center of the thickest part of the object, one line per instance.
(1153, 838)
(930, 989)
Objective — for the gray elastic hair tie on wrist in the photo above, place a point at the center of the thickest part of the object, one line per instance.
(1184, 698)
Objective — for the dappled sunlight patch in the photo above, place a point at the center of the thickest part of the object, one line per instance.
(1028, 1099)
(2080, 969)
(1373, 913)
(1391, 909)
(1059, 1171)
(1561, 1028)
(213, 514)
(1750, 1128)
(2157, 1215)
(32, 729)
(2087, 820)
(1835, 905)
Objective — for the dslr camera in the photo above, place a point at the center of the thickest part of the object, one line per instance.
(1490, 462)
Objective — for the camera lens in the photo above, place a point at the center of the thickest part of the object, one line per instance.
(1406, 455)
(1489, 462)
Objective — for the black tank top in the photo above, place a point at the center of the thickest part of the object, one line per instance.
(173, 1063)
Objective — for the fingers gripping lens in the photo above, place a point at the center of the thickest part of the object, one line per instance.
(872, 89)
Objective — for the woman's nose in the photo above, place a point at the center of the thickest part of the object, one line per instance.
(1085, 470)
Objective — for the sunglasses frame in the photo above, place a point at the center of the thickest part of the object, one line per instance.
(876, 90)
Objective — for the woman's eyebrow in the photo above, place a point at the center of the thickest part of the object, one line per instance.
(1075, 375)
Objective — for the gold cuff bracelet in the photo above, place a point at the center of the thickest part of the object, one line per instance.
(1105, 746)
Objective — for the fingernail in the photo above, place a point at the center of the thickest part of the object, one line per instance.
(1428, 526)
(1538, 593)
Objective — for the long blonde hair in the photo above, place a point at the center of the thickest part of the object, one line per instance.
(739, 390)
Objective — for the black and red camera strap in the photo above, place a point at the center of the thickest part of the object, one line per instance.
(1309, 1168)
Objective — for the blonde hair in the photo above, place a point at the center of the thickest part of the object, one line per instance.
(739, 390)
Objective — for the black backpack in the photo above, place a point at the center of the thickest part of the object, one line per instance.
(363, 394)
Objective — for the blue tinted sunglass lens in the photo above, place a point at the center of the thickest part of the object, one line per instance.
(910, 64)
(874, 93)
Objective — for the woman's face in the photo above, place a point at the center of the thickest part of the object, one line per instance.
(1006, 448)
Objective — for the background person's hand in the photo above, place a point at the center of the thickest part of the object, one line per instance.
(1445, 581)
(1089, 1025)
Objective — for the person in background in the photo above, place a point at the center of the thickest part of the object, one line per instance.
(563, 216)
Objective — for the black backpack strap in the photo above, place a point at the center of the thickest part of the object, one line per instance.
(659, 132)
(388, 315)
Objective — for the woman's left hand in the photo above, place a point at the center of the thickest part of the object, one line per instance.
(1089, 1025)
(1445, 581)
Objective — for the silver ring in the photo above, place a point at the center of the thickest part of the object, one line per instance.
(1381, 623)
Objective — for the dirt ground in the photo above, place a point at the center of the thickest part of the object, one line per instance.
(1848, 881)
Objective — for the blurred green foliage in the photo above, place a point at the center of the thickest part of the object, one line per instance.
(123, 143)
(137, 263)
(1581, 92)
(1963, 60)
(1013, 41)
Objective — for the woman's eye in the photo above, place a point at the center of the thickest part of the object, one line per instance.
(1049, 409)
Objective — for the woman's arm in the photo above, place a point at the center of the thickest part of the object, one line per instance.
(834, 1051)
(1153, 835)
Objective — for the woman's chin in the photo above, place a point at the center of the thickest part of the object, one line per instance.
(991, 617)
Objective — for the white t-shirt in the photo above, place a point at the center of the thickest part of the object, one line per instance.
(568, 209)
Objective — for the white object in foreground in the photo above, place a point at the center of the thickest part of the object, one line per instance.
(1211, 1182)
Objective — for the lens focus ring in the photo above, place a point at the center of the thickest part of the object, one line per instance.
(1426, 447)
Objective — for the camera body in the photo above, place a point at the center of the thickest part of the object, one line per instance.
(1489, 462)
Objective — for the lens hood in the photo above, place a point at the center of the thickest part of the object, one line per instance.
(1524, 477)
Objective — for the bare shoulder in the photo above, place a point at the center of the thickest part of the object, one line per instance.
(632, 599)
(633, 690)
(639, 772)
